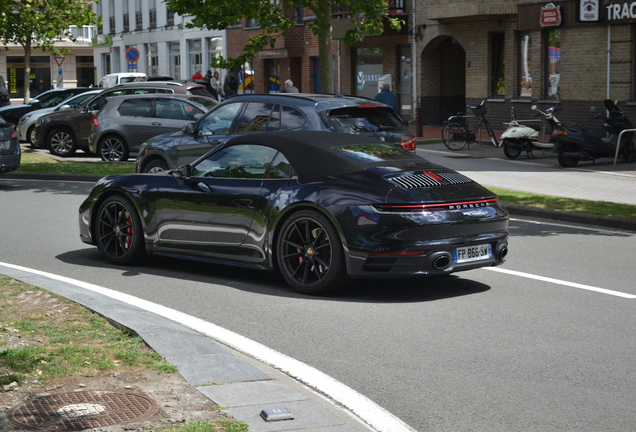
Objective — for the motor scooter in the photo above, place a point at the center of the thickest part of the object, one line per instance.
(519, 137)
(574, 143)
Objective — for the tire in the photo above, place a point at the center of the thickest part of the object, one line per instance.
(112, 148)
(29, 136)
(449, 130)
(510, 151)
(118, 231)
(629, 152)
(61, 142)
(156, 166)
(564, 161)
(310, 255)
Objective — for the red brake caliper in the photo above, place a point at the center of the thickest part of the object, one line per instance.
(129, 231)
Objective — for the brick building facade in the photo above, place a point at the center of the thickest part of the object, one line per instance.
(519, 53)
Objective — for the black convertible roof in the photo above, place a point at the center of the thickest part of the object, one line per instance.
(311, 152)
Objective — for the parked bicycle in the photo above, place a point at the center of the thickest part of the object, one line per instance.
(456, 134)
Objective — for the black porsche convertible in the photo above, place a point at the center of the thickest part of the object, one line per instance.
(319, 207)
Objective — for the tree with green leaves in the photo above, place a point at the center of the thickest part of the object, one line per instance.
(39, 24)
(276, 18)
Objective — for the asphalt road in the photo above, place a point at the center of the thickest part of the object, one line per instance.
(483, 350)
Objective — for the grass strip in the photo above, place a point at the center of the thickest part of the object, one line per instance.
(38, 163)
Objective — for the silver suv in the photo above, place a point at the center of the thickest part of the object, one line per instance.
(124, 122)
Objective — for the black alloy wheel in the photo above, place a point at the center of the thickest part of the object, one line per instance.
(156, 166)
(310, 255)
(511, 151)
(119, 232)
(61, 142)
(112, 148)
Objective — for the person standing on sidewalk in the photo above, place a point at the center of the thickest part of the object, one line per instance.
(386, 96)
(290, 87)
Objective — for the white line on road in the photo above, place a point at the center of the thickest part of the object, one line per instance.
(361, 406)
(560, 282)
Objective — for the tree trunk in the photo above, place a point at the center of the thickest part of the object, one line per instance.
(27, 70)
(323, 20)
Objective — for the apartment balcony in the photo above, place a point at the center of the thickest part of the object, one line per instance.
(82, 34)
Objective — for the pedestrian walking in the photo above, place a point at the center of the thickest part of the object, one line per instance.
(289, 87)
(386, 96)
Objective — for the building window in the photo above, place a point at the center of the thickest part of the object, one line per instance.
(126, 16)
(139, 17)
(195, 56)
(175, 59)
(100, 23)
(554, 63)
(525, 66)
(251, 22)
(169, 16)
(369, 69)
(497, 65)
(111, 17)
(215, 48)
(153, 14)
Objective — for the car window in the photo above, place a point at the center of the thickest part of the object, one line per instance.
(78, 100)
(292, 118)
(240, 161)
(220, 120)
(256, 118)
(280, 168)
(359, 120)
(176, 109)
(199, 91)
(144, 90)
(135, 108)
(99, 101)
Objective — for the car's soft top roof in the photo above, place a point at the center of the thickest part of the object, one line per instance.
(311, 154)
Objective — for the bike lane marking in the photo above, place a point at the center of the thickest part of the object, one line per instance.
(359, 405)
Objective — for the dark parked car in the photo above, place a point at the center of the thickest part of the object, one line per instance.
(47, 99)
(274, 112)
(10, 153)
(124, 122)
(63, 133)
(319, 207)
(5, 99)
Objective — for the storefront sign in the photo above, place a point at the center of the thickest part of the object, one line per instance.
(273, 54)
(618, 11)
(589, 10)
(550, 15)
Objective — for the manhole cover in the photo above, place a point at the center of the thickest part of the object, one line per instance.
(82, 410)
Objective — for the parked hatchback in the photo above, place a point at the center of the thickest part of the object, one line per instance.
(9, 147)
(274, 112)
(12, 113)
(124, 122)
(63, 133)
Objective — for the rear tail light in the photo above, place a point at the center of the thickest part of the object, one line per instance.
(95, 121)
(408, 145)
(13, 135)
(414, 208)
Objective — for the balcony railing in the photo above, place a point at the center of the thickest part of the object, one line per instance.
(84, 33)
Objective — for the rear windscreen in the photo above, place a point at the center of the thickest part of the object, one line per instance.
(199, 91)
(361, 120)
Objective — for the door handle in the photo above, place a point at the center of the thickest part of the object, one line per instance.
(155, 123)
(204, 187)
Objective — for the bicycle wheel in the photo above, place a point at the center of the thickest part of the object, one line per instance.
(450, 133)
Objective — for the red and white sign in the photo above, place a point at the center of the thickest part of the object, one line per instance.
(59, 61)
(550, 15)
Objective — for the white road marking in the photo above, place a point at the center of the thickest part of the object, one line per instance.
(365, 409)
(578, 227)
(560, 282)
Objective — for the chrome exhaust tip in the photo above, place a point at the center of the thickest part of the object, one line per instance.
(441, 261)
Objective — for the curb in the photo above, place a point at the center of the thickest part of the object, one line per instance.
(515, 209)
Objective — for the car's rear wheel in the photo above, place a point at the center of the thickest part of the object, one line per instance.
(61, 142)
(310, 255)
(112, 148)
(118, 231)
(156, 166)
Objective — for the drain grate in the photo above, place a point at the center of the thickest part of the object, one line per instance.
(82, 410)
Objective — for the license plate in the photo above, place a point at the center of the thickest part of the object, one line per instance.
(472, 253)
(6, 145)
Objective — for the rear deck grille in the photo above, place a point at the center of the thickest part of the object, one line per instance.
(429, 179)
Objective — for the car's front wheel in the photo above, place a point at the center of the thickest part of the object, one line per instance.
(310, 255)
(156, 166)
(29, 136)
(112, 148)
(118, 231)
(61, 142)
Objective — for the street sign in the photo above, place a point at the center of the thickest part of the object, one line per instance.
(59, 61)
(132, 54)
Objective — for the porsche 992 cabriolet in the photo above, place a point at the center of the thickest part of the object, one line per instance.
(318, 207)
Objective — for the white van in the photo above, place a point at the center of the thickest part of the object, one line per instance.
(113, 79)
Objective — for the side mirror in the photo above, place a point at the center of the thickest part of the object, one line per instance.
(189, 129)
(63, 107)
(181, 174)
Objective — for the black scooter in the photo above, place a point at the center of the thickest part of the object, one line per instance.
(573, 143)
